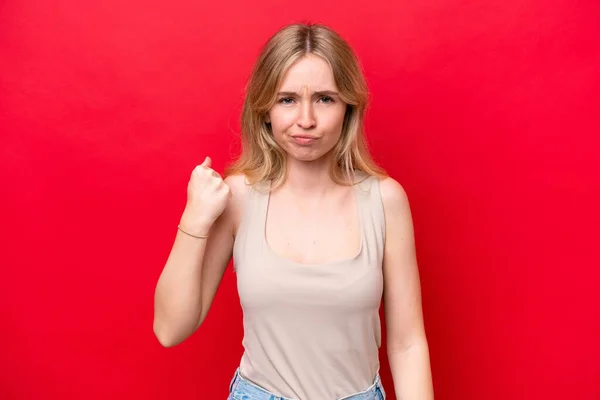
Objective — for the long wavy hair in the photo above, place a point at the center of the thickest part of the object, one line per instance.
(261, 158)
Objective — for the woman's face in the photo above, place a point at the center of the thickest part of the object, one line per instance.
(308, 114)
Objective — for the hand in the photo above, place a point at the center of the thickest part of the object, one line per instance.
(207, 197)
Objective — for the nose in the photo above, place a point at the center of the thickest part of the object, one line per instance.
(306, 119)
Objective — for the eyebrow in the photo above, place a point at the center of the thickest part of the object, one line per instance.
(319, 93)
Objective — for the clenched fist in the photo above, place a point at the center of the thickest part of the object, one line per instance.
(207, 197)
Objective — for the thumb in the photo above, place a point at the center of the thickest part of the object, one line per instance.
(207, 162)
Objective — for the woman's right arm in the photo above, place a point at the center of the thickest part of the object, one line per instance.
(194, 269)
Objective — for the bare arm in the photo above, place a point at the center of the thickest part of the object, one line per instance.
(408, 351)
(191, 276)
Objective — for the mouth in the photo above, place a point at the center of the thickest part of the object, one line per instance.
(304, 139)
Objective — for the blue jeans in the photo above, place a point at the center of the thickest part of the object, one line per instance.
(242, 389)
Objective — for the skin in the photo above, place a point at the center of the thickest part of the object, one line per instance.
(308, 104)
(325, 226)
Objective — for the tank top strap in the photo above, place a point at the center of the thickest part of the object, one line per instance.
(251, 229)
(372, 216)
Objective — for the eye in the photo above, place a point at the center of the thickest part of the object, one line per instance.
(326, 99)
(286, 100)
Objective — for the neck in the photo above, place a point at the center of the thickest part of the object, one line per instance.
(309, 178)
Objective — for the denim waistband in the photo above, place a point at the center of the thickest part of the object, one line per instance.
(241, 388)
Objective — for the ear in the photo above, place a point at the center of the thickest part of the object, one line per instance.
(267, 118)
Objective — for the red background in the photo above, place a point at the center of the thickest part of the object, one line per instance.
(486, 112)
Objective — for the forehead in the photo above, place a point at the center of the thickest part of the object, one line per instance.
(309, 71)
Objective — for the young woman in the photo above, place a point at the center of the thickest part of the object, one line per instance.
(319, 234)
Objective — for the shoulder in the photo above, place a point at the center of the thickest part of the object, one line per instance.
(395, 201)
(399, 229)
(392, 193)
(237, 183)
(239, 187)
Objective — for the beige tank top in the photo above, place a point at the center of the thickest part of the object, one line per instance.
(311, 332)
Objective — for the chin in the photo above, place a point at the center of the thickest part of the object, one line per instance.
(305, 157)
(302, 157)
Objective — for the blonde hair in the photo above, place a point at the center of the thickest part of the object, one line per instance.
(262, 159)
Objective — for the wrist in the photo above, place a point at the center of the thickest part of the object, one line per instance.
(194, 227)
(194, 235)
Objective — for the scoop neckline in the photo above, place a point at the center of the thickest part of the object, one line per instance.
(286, 260)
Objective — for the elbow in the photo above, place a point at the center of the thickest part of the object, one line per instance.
(166, 342)
(168, 336)
(165, 337)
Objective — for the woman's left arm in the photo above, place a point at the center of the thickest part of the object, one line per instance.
(407, 348)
